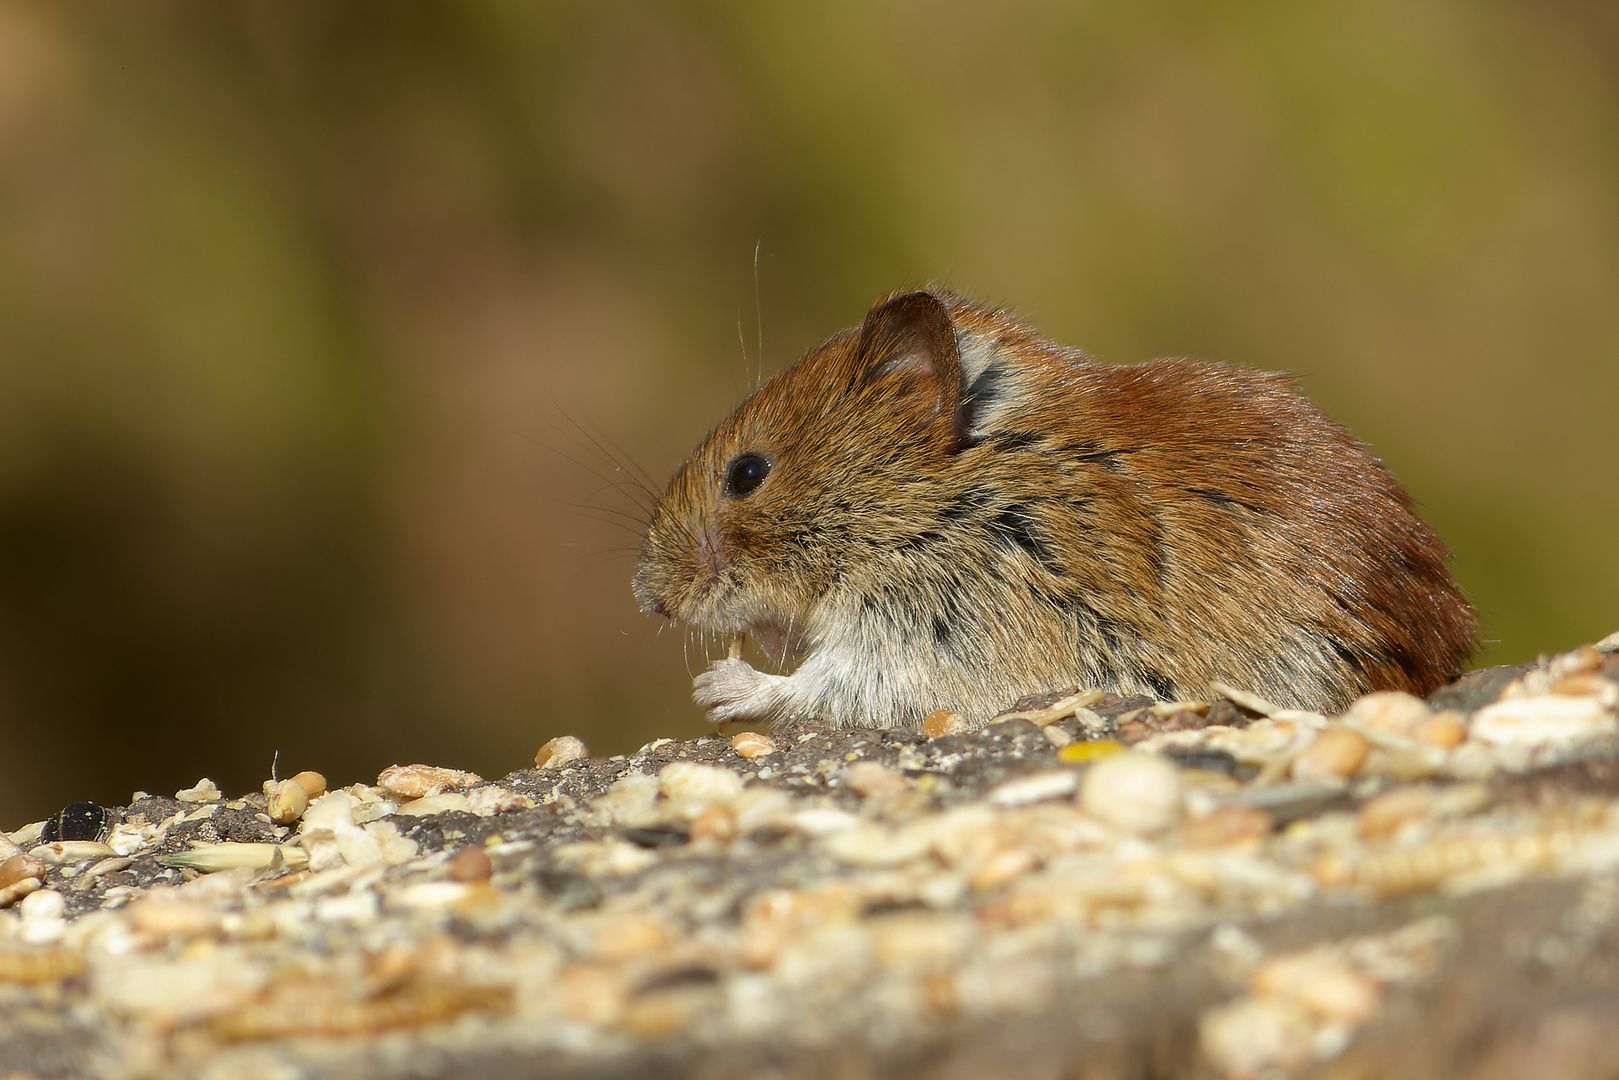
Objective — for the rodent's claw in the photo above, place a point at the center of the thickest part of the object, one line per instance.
(732, 690)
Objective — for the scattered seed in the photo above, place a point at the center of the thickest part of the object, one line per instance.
(1251, 1036)
(871, 778)
(1445, 730)
(81, 821)
(1537, 721)
(33, 968)
(690, 782)
(1581, 661)
(559, 751)
(1227, 827)
(20, 867)
(315, 1007)
(471, 864)
(1386, 812)
(313, 783)
(1336, 752)
(875, 845)
(1133, 792)
(216, 857)
(752, 744)
(1093, 750)
(1250, 701)
(419, 781)
(716, 825)
(1003, 866)
(1322, 983)
(941, 722)
(1036, 787)
(67, 852)
(1058, 710)
(287, 801)
(203, 791)
(440, 802)
(1389, 710)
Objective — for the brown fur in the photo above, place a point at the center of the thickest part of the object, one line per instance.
(958, 512)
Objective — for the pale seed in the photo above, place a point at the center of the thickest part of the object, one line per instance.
(868, 778)
(471, 864)
(630, 936)
(1580, 661)
(1322, 984)
(204, 790)
(1057, 737)
(1538, 720)
(437, 803)
(752, 744)
(687, 780)
(1444, 730)
(1037, 787)
(1247, 699)
(715, 825)
(1133, 792)
(1389, 710)
(216, 857)
(418, 781)
(1335, 752)
(18, 867)
(1384, 813)
(941, 722)
(312, 782)
(560, 751)
(1228, 826)
(288, 801)
(1002, 866)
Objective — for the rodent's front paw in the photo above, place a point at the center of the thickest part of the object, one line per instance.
(733, 690)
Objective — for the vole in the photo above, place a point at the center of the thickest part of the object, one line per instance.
(940, 509)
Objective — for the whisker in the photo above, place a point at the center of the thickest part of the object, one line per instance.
(758, 313)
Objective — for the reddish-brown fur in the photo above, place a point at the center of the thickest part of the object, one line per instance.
(958, 512)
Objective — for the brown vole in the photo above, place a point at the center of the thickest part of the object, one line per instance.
(939, 509)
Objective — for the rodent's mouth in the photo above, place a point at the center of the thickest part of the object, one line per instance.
(774, 640)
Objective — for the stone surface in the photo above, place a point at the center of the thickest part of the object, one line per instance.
(871, 903)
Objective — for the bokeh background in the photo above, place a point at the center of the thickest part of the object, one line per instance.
(316, 319)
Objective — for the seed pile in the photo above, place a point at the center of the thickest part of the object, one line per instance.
(812, 890)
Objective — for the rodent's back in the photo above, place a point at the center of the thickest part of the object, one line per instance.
(1228, 524)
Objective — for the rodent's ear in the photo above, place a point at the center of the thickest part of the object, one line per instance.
(908, 345)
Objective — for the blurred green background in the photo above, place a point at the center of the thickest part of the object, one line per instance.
(306, 310)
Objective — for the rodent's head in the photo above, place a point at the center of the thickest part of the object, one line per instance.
(810, 478)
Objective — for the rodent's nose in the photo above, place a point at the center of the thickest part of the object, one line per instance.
(658, 608)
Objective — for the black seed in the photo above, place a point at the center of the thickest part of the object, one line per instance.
(568, 890)
(81, 821)
(1208, 760)
(655, 837)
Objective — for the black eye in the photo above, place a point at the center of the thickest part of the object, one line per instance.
(746, 473)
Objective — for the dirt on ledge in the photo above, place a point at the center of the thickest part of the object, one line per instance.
(1089, 887)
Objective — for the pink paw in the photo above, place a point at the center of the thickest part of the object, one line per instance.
(733, 690)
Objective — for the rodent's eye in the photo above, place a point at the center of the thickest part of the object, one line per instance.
(746, 473)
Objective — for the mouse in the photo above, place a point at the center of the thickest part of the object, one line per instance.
(940, 509)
